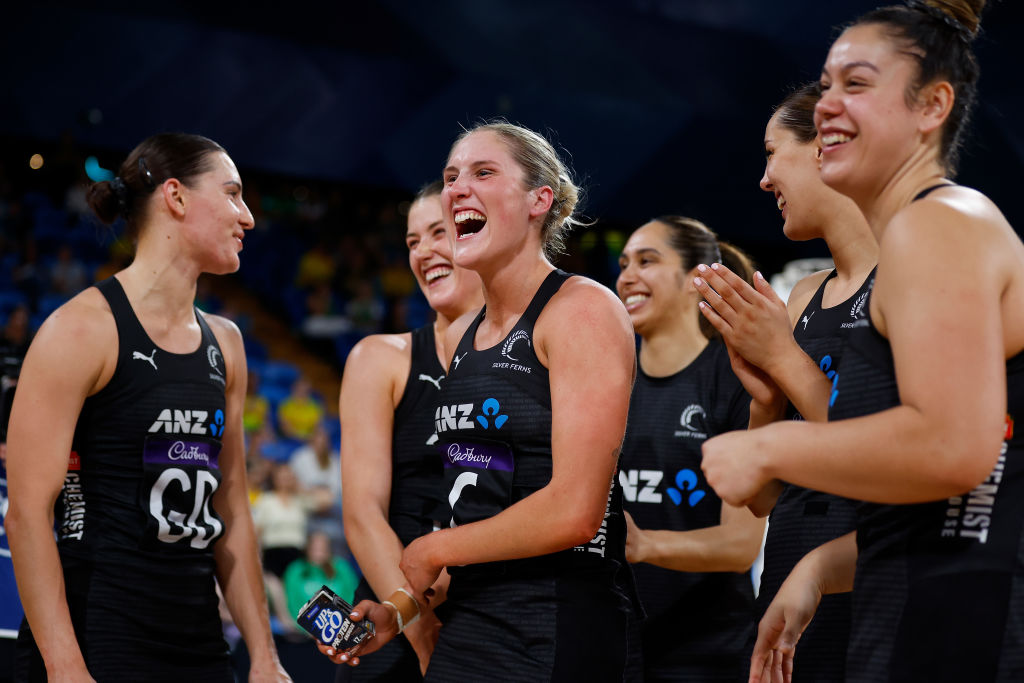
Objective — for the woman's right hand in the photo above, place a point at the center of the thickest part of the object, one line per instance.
(782, 625)
(423, 635)
(385, 624)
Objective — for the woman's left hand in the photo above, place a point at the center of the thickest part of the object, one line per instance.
(385, 627)
(421, 571)
(732, 467)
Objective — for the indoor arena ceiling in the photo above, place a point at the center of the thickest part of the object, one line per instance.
(661, 103)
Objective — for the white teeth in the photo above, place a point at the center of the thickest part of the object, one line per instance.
(780, 201)
(435, 273)
(636, 298)
(463, 216)
(835, 139)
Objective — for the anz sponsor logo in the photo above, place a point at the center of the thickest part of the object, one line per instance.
(452, 417)
(692, 422)
(826, 366)
(188, 422)
(639, 486)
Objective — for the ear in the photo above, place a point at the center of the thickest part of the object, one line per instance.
(174, 197)
(541, 199)
(937, 101)
(818, 151)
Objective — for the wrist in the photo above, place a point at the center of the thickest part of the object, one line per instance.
(405, 607)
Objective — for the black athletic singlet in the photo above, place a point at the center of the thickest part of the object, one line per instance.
(557, 617)
(135, 521)
(939, 588)
(416, 503)
(697, 622)
(804, 519)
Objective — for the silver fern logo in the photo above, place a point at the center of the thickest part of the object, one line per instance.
(506, 350)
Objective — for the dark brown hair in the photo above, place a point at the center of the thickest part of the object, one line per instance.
(938, 34)
(796, 111)
(696, 243)
(431, 189)
(156, 159)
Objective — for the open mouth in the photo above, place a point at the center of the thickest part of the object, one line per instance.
(437, 273)
(831, 140)
(634, 301)
(468, 222)
(780, 201)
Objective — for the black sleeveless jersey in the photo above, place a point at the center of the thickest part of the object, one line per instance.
(804, 519)
(135, 520)
(664, 488)
(416, 504)
(939, 588)
(559, 616)
(416, 501)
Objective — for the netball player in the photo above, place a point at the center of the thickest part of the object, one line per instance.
(803, 352)
(391, 468)
(530, 420)
(922, 426)
(692, 552)
(128, 418)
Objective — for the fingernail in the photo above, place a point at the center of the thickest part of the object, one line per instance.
(714, 266)
(703, 304)
(697, 281)
(701, 268)
(354, 615)
(758, 275)
(330, 651)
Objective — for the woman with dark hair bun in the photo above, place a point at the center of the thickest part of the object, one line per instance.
(691, 553)
(145, 393)
(796, 353)
(922, 425)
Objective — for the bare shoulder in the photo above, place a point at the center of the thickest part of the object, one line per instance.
(78, 339)
(948, 219)
(803, 291)
(380, 350)
(584, 308)
(456, 330)
(224, 329)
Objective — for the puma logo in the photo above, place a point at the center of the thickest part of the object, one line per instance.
(458, 359)
(435, 382)
(137, 355)
(807, 319)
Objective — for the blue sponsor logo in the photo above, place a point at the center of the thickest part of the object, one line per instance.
(217, 426)
(826, 366)
(686, 480)
(491, 408)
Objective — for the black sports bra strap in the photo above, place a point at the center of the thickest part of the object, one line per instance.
(113, 292)
(928, 190)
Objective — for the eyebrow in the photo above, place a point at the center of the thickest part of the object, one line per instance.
(641, 251)
(853, 65)
(430, 227)
(236, 183)
(475, 164)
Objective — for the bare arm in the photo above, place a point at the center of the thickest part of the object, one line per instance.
(937, 297)
(826, 569)
(236, 553)
(72, 356)
(582, 326)
(730, 546)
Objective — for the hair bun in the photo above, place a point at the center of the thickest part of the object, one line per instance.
(103, 199)
(963, 16)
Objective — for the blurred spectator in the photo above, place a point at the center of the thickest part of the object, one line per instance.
(121, 254)
(17, 334)
(67, 275)
(316, 267)
(299, 413)
(319, 567)
(365, 311)
(280, 515)
(257, 407)
(317, 465)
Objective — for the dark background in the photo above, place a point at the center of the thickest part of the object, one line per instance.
(661, 104)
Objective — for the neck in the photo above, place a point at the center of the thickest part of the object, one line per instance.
(508, 288)
(161, 280)
(669, 349)
(850, 241)
(880, 203)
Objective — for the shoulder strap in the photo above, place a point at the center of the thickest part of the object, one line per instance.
(552, 283)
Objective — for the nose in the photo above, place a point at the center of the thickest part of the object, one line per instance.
(246, 219)
(624, 279)
(766, 182)
(458, 187)
(827, 107)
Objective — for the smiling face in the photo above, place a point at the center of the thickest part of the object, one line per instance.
(445, 286)
(652, 283)
(486, 204)
(792, 175)
(866, 127)
(216, 216)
